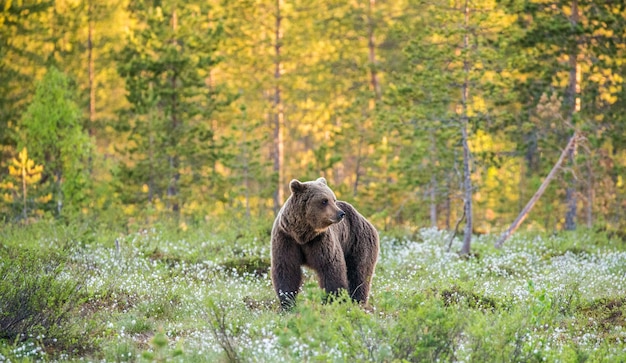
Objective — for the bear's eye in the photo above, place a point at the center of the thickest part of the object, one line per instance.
(324, 201)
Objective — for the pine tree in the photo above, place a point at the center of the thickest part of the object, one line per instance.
(570, 48)
(21, 61)
(167, 66)
(447, 93)
(249, 49)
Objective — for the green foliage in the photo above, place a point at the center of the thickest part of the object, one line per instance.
(51, 129)
(224, 330)
(180, 300)
(343, 330)
(174, 146)
(427, 331)
(20, 59)
(160, 351)
(248, 265)
(368, 92)
(568, 58)
(457, 295)
(428, 107)
(38, 303)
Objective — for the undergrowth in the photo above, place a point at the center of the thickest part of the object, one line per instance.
(74, 292)
(39, 301)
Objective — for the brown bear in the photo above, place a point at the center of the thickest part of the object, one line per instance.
(329, 236)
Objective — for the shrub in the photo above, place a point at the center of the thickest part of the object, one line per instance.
(223, 331)
(427, 332)
(339, 328)
(37, 299)
(255, 266)
(160, 351)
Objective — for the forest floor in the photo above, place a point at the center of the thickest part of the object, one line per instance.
(72, 294)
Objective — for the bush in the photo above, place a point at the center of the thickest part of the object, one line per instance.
(339, 328)
(427, 332)
(37, 299)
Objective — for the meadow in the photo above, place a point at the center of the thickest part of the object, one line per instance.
(77, 293)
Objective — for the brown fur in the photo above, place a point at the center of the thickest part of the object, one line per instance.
(329, 236)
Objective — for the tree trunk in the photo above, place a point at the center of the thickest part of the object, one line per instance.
(590, 194)
(467, 181)
(151, 162)
(371, 44)
(246, 166)
(571, 202)
(433, 180)
(570, 145)
(59, 183)
(573, 105)
(278, 113)
(172, 189)
(374, 87)
(357, 169)
(433, 202)
(447, 208)
(24, 163)
(91, 69)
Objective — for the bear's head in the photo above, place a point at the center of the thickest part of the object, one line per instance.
(317, 202)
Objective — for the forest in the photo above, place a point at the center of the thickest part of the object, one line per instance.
(147, 145)
(129, 112)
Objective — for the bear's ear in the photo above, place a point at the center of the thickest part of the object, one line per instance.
(296, 186)
(322, 180)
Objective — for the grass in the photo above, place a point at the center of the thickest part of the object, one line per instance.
(162, 294)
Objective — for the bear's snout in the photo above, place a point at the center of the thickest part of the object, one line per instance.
(340, 215)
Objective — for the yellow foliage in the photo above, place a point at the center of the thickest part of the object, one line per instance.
(44, 199)
(609, 98)
(7, 198)
(481, 142)
(192, 207)
(130, 209)
(158, 204)
(183, 226)
(489, 75)
(561, 79)
(478, 105)
(28, 174)
(25, 168)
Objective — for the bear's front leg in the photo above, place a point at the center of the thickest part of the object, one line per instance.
(286, 272)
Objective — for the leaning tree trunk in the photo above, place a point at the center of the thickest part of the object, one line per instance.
(571, 145)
